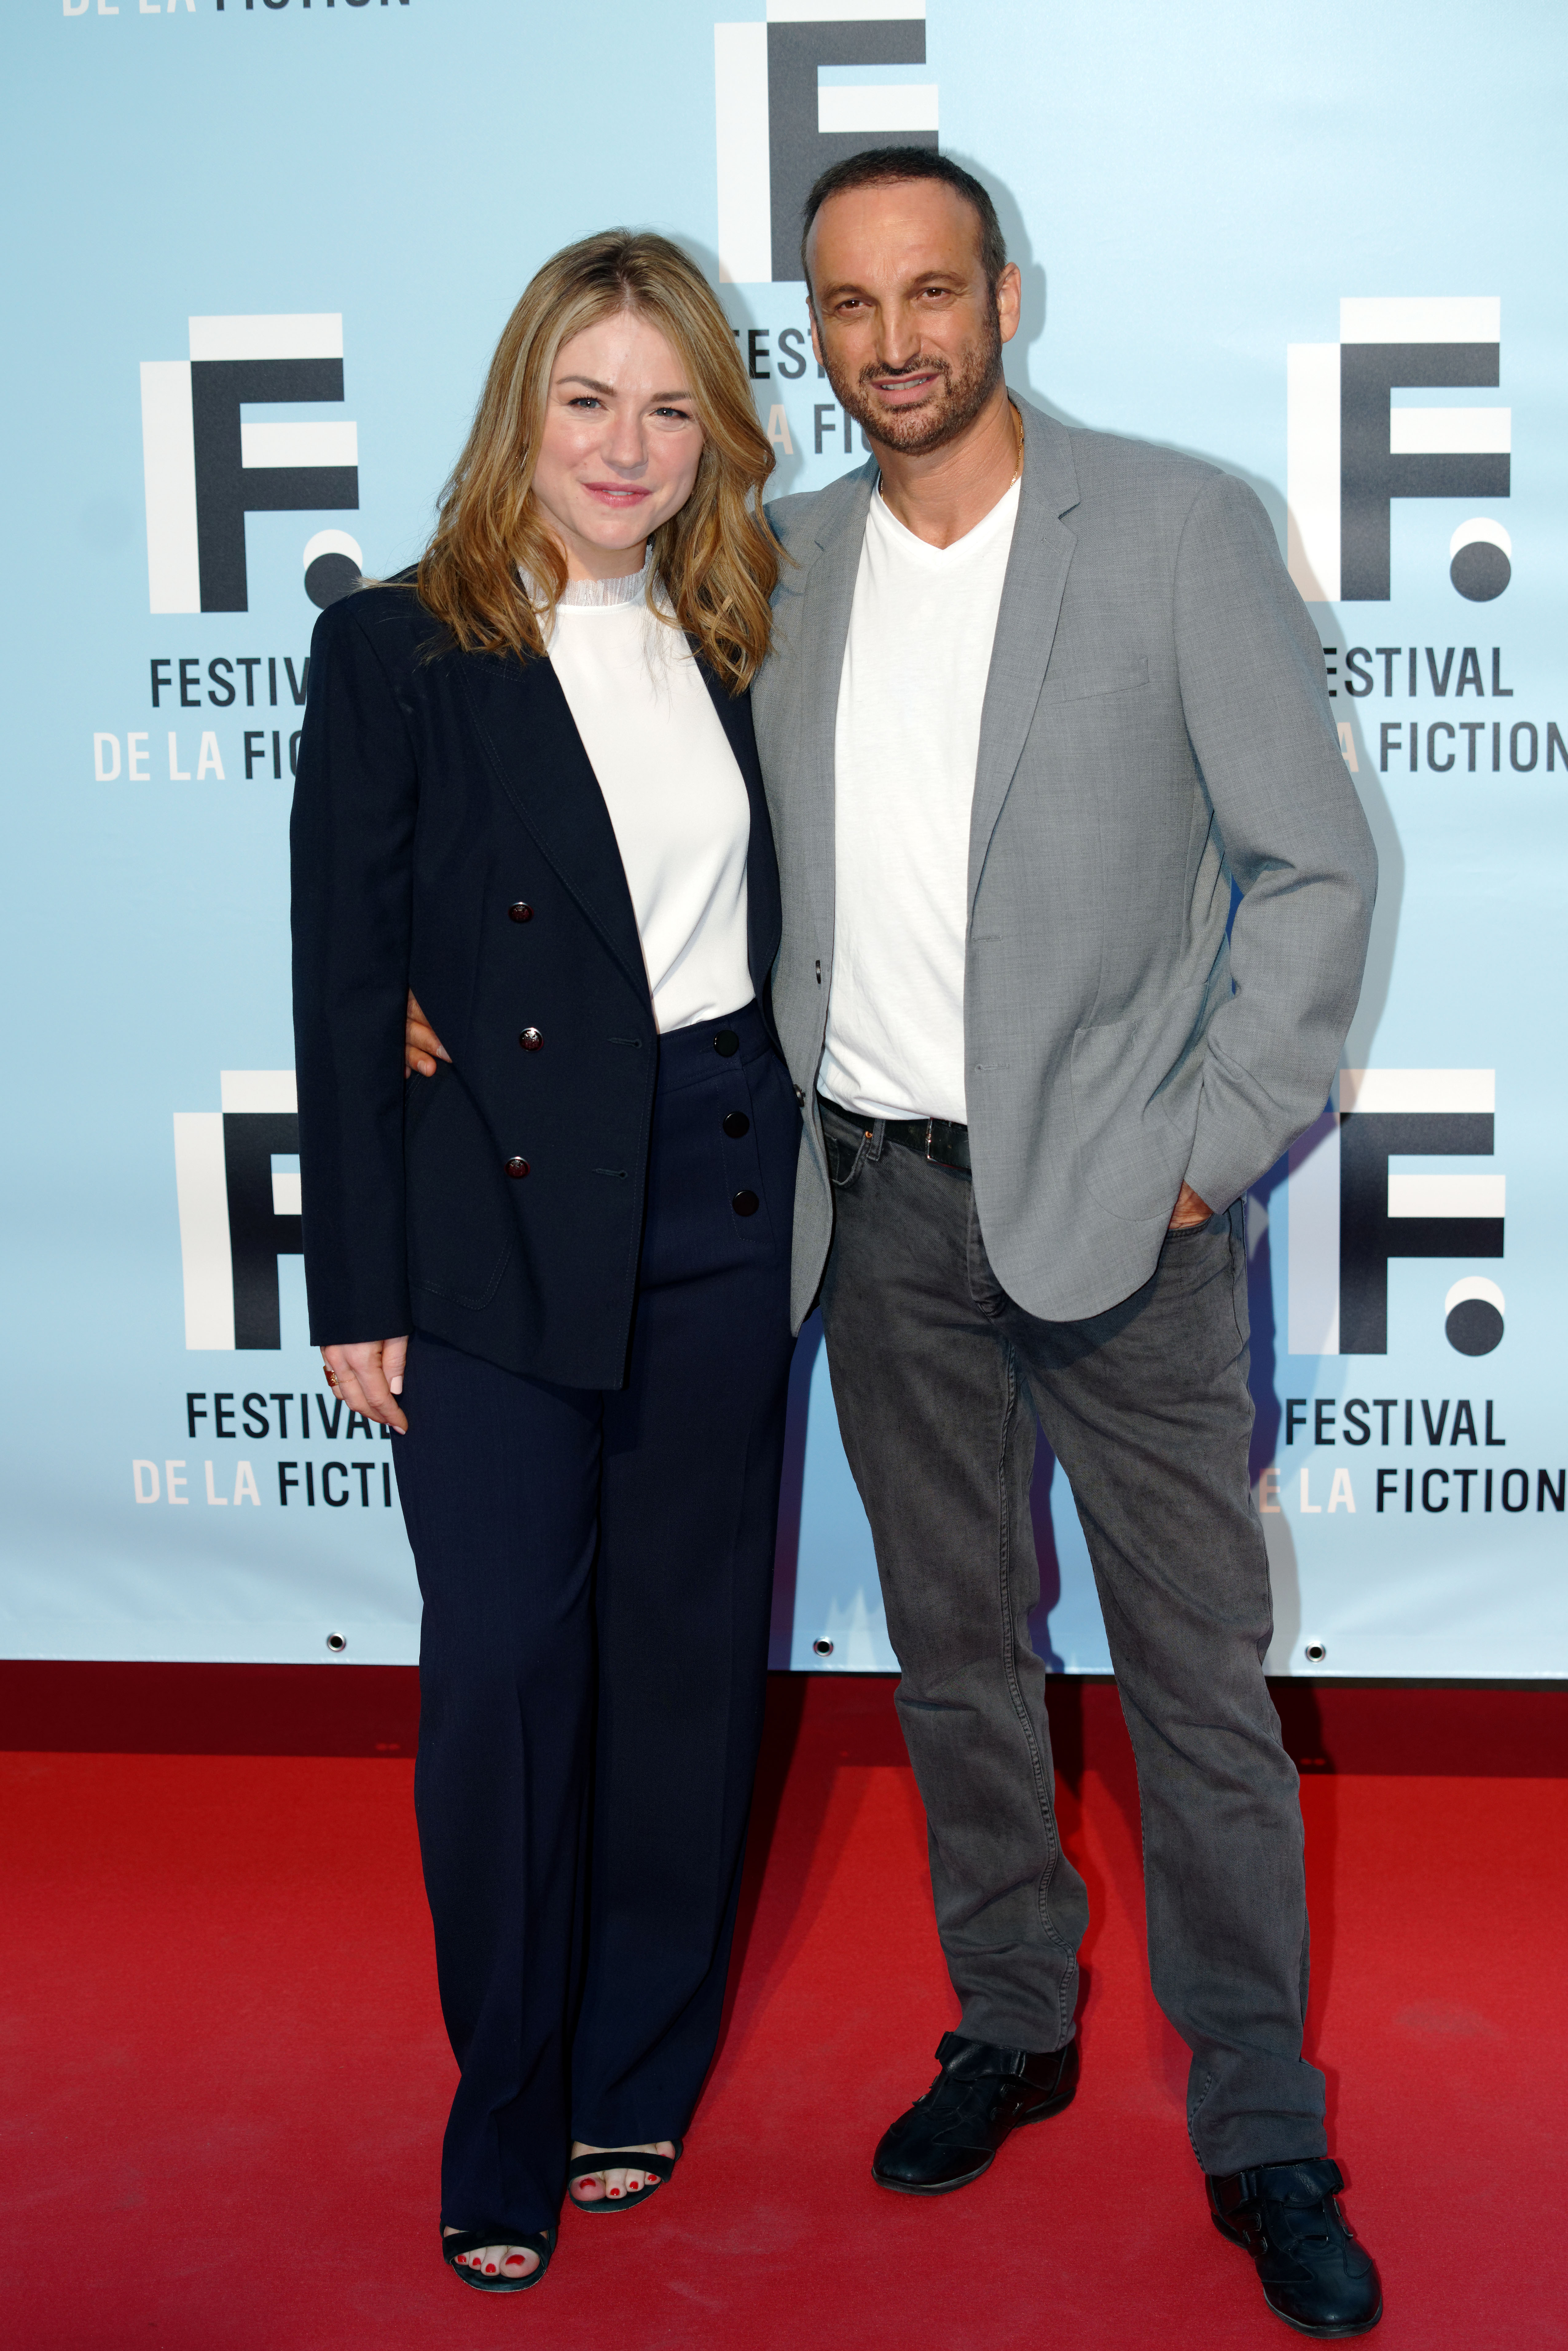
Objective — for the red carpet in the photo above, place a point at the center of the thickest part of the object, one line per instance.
(226, 2075)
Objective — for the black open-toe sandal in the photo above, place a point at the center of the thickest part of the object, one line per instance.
(621, 2158)
(473, 2240)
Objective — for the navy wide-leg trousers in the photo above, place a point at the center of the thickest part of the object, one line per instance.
(595, 1568)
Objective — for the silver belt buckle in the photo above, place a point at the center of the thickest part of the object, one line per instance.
(931, 1158)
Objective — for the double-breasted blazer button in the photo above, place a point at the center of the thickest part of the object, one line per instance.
(745, 1204)
(531, 1040)
(521, 912)
(726, 1042)
(736, 1124)
(800, 1096)
(517, 1167)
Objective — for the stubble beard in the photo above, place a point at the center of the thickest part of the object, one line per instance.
(916, 432)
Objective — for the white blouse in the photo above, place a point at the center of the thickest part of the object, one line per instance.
(675, 795)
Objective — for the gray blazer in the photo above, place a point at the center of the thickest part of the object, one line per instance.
(1156, 723)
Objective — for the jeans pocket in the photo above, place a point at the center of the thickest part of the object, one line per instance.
(846, 1156)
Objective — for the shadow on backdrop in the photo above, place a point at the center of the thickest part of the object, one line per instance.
(787, 1551)
(1045, 1473)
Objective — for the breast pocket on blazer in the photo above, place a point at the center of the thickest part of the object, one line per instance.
(460, 1220)
(1081, 684)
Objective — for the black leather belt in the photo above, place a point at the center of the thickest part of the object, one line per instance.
(943, 1141)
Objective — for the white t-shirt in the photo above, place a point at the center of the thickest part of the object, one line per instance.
(908, 736)
(676, 796)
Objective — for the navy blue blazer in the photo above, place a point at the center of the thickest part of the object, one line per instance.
(449, 836)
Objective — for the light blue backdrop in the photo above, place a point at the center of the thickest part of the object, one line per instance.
(1189, 193)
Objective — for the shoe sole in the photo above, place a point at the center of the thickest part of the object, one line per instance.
(947, 2187)
(1323, 2334)
(498, 2285)
(1328, 2334)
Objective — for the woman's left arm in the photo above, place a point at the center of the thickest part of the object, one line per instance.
(356, 799)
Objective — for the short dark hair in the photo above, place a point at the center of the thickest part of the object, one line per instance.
(879, 166)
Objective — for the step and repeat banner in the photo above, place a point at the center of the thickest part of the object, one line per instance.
(262, 250)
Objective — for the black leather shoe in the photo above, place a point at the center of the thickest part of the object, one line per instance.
(952, 2134)
(1314, 2275)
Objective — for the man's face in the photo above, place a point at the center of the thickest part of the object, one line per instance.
(902, 320)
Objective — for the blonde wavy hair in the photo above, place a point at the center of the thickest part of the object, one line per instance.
(716, 558)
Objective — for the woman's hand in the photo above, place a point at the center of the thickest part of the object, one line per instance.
(368, 1375)
(421, 1047)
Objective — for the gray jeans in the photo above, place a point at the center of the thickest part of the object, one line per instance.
(940, 1378)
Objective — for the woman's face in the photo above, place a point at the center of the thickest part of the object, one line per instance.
(619, 452)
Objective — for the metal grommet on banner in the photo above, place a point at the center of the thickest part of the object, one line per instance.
(1315, 1653)
(337, 1643)
(824, 1647)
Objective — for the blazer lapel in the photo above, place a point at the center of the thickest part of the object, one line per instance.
(527, 728)
(762, 906)
(735, 717)
(824, 628)
(1025, 625)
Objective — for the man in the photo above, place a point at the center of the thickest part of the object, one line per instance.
(1038, 698)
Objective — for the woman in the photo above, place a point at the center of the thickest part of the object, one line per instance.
(527, 790)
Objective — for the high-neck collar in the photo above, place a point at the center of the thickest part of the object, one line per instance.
(598, 595)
